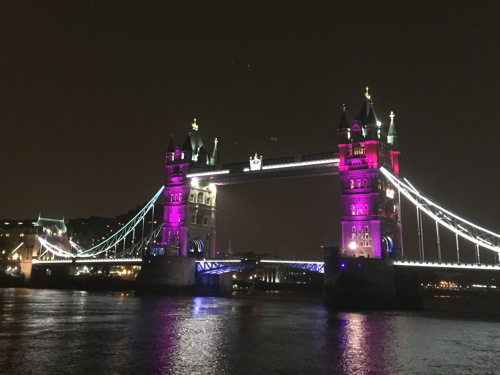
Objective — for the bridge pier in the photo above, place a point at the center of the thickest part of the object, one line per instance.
(367, 283)
(177, 276)
(359, 283)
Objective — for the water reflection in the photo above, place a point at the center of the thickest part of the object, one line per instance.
(82, 333)
(363, 344)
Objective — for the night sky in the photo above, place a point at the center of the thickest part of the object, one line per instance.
(91, 90)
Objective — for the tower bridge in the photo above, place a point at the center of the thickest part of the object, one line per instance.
(367, 163)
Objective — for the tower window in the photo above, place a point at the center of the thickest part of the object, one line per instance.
(200, 197)
(176, 169)
(358, 149)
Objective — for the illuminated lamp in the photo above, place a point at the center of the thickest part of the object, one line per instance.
(195, 183)
(353, 245)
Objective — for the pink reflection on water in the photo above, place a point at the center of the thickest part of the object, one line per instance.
(362, 345)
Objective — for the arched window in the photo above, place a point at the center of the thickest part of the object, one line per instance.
(200, 197)
(176, 169)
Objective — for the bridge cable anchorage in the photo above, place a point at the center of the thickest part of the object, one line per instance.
(479, 236)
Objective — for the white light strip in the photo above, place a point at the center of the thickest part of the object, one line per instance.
(64, 261)
(292, 262)
(54, 250)
(18, 246)
(297, 164)
(474, 266)
(219, 261)
(201, 174)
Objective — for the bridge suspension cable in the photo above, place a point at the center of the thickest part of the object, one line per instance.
(479, 236)
(122, 233)
(110, 242)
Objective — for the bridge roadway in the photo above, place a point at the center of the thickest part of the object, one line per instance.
(218, 266)
(207, 266)
(322, 164)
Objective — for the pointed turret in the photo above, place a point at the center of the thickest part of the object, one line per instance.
(203, 157)
(196, 142)
(392, 136)
(371, 126)
(187, 150)
(362, 116)
(215, 154)
(171, 149)
(343, 129)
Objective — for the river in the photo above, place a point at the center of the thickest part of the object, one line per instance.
(76, 332)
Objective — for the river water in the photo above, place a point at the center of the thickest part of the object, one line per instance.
(76, 332)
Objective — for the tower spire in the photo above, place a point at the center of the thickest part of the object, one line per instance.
(171, 147)
(215, 154)
(392, 136)
(364, 112)
(343, 129)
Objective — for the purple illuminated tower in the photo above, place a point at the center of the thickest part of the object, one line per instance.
(189, 206)
(371, 225)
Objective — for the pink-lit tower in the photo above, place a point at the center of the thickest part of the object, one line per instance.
(189, 204)
(371, 225)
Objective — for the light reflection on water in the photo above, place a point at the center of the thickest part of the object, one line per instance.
(52, 332)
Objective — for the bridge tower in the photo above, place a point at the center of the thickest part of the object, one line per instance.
(189, 205)
(371, 223)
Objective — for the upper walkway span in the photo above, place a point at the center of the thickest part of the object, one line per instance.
(321, 164)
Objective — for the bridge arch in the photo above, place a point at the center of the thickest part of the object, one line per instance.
(195, 247)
